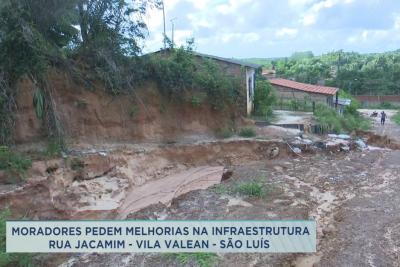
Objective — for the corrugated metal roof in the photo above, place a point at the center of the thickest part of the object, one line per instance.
(311, 88)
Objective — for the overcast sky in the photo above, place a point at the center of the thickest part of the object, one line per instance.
(275, 28)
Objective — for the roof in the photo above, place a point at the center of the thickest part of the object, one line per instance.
(379, 98)
(318, 89)
(228, 60)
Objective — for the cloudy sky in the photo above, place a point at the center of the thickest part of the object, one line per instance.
(275, 28)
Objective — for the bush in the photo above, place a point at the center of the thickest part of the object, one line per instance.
(396, 117)
(250, 189)
(178, 72)
(264, 98)
(331, 121)
(202, 259)
(7, 259)
(247, 132)
(224, 133)
(13, 163)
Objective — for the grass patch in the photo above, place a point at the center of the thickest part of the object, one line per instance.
(396, 117)
(247, 132)
(331, 121)
(224, 133)
(253, 189)
(13, 163)
(10, 259)
(54, 148)
(221, 189)
(201, 259)
(250, 189)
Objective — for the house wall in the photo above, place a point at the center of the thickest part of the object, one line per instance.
(285, 93)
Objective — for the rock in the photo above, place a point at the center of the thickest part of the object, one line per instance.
(333, 135)
(274, 152)
(343, 136)
(297, 150)
(307, 141)
(361, 144)
(345, 148)
(227, 174)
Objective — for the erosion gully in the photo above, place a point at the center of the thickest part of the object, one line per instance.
(351, 193)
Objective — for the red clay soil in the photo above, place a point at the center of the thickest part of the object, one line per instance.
(93, 116)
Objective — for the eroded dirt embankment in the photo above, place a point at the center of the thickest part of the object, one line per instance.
(316, 184)
(96, 185)
(93, 116)
(336, 189)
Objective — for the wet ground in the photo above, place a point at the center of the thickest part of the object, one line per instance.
(353, 195)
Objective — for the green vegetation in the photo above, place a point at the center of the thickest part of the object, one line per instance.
(396, 117)
(250, 189)
(200, 259)
(106, 47)
(178, 72)
(8, 259)
(264, 98)
(224, 133)
(375, 74)
(77, 164)
(134, 110)
(331, 121)
(247, 132)
(12, 163)
(54, 148)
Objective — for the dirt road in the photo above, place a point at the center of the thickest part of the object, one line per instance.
(391, 129)
(352, 194)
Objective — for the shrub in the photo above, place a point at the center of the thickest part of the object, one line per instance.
(133, 111)
(54, 148)
(331, 121)
(224, 133)
(396, 117)
(202, 259)
(250, 189)
(178, 72)
(7, 259)
(264, 98)
(13, 163)
(247, 132)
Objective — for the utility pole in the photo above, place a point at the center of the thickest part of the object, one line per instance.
(173, 28)
(164, 34)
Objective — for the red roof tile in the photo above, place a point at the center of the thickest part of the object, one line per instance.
(318, 89)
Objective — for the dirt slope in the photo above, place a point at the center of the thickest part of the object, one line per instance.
(93, 116)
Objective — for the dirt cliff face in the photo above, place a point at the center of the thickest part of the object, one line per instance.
(93, 116)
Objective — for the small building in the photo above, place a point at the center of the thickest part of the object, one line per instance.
(290, 90)
(375, 100)
(244, 70)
